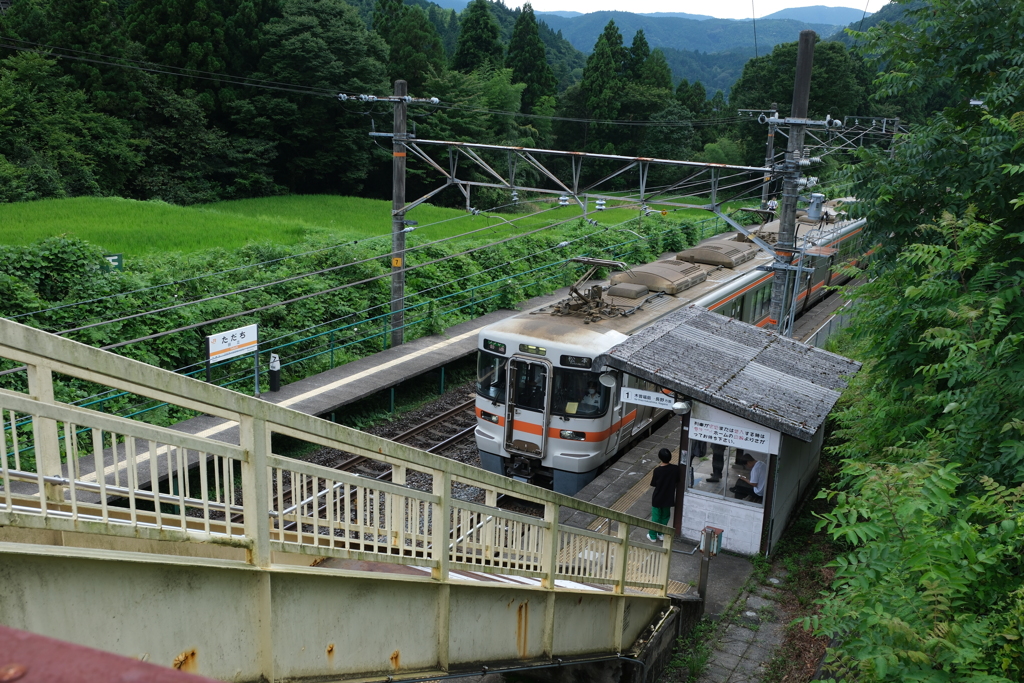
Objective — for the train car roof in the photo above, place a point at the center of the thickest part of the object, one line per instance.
(571, 333)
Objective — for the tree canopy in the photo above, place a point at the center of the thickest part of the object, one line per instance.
(528, 60)
(479, 45)
(933, 428)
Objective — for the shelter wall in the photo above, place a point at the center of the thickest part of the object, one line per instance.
(798, 467)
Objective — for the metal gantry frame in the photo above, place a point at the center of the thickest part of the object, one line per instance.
(721, 183)
(696, 177)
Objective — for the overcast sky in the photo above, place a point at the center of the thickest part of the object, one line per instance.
(723, 9)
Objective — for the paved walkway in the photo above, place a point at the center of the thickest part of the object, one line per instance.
(746, 641)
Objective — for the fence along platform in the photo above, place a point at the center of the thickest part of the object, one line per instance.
(255, 509)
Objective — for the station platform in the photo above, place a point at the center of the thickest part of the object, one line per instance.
(319, 395)
(626, 487)
(329, 391)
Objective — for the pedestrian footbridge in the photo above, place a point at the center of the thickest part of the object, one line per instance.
(241, 564)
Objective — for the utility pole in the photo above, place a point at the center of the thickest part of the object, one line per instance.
(398, 217)
(769, 157)
(785, 247)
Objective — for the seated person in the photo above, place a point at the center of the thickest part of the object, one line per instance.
(591, 401)
(754, 483)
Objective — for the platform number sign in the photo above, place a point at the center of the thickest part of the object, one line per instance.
(237, 342)
(647, 398)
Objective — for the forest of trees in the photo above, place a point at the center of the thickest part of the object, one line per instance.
(927, 508)
(200, 100)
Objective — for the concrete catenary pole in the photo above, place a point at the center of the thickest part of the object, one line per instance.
(398, 218)
(769, 158)
(784, 249)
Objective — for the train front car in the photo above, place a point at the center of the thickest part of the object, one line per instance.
(543, 415)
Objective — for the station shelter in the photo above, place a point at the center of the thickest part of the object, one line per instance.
(758, 405)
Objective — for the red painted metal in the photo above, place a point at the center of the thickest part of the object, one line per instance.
(31, 658)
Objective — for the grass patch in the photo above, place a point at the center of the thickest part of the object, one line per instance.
(137, 228)
(140, 228)
(693, 652)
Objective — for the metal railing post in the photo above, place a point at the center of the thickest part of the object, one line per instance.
(44, 432)
(621, 563)
(551, 548)
(621, 570)
(550, 544)
(663, 573)
(441, 524)
(441, 540)
(254, 437)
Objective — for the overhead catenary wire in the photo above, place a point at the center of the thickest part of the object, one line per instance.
(248, 265)
(264, 285)
(331, 289)
(245, 374)
(153, 67)
(85, 401)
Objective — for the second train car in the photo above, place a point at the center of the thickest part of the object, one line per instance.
(544, 417)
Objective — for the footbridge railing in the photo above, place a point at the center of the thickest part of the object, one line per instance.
(80, 487)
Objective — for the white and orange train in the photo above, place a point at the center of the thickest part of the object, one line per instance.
(544, 416)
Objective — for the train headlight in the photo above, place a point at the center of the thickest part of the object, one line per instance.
(490, 417)
(573, 436)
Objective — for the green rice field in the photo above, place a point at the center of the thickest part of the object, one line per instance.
(137, 228)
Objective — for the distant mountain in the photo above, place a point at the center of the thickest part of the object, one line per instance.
(680, 15)
(818, 14)
(457, 5)
(716, 71)
(891, 13)
(708, 35)
(567, 15)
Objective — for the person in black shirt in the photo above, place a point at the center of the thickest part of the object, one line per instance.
(664, 479)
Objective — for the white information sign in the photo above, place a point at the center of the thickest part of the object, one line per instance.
(647, 398)
(232, 343)
(729, 435)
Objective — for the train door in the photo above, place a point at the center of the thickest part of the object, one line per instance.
(527, 410)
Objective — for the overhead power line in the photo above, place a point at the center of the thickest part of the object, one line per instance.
(330, 290)
(12, 43)
(244, 290)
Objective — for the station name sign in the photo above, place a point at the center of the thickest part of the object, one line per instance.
(647, 398)
(237, 342)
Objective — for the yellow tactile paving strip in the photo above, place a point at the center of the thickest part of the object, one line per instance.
(631, 497)
(623, 504)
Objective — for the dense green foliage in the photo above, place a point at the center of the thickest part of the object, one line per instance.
(173, 130)
(933, 427)
(933, 589)
(527, 61)
(343, 291)
(478, 46)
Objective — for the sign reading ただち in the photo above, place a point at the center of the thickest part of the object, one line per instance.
(232, 343)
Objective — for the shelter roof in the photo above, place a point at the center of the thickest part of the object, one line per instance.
(742, 369)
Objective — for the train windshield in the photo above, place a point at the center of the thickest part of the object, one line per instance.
(490, 376)
(578, 393)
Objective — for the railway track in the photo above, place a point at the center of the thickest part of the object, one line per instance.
(434, 436)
